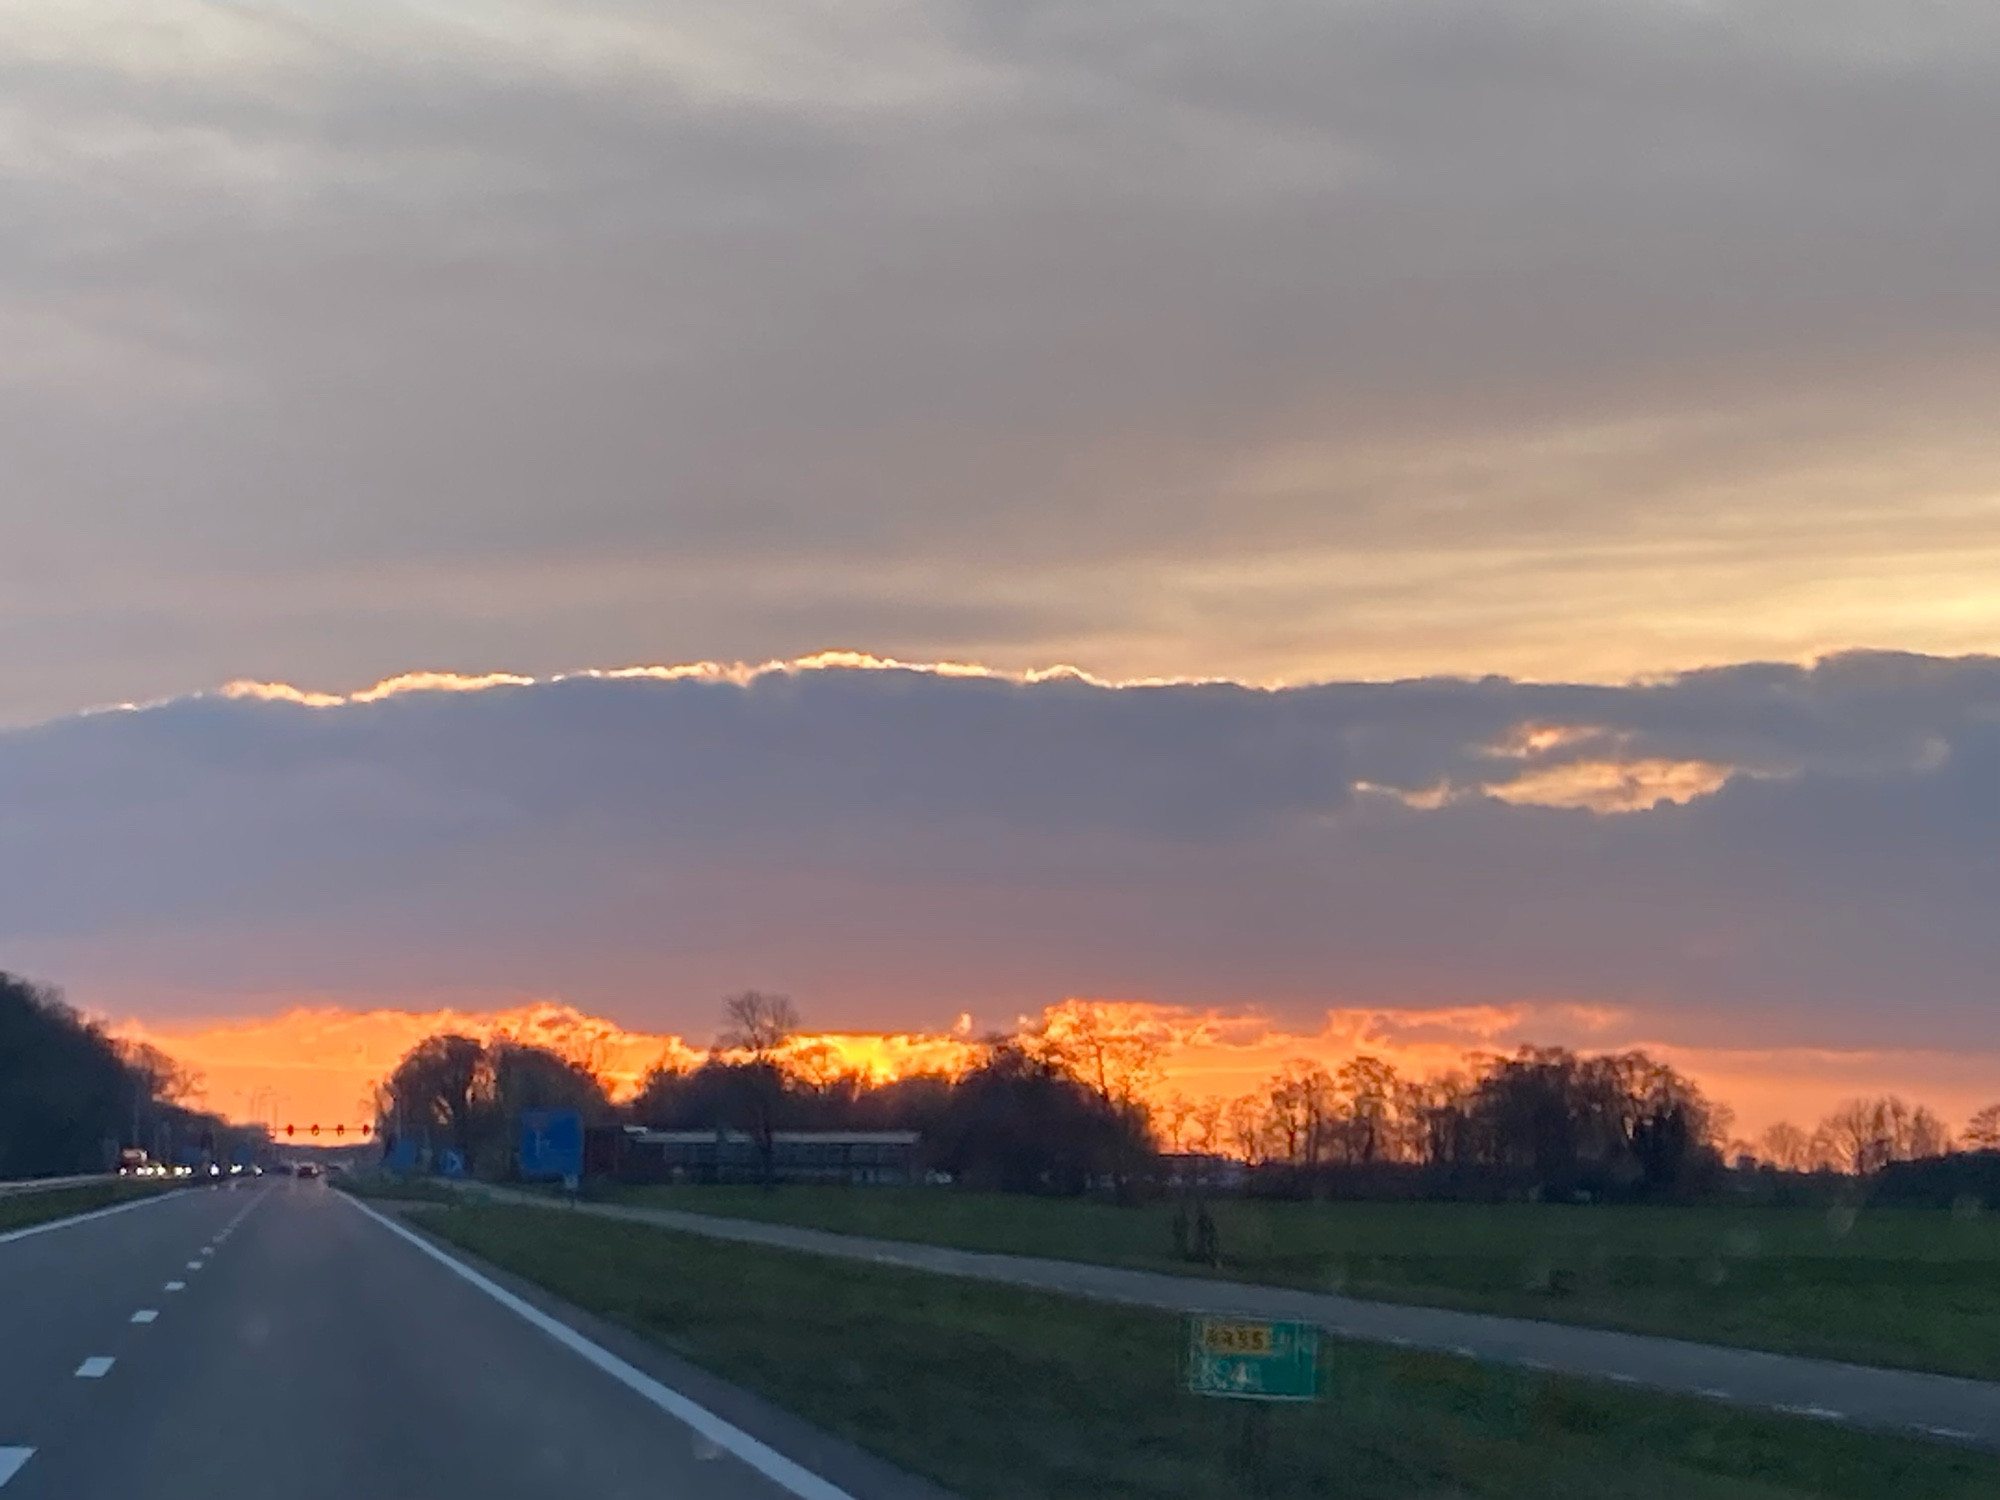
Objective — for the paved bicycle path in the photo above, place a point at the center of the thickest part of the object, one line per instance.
(1942, 1407)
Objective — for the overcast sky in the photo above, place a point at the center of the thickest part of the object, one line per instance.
(1278, 341)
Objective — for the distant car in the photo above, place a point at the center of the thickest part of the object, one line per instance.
(308, 1169)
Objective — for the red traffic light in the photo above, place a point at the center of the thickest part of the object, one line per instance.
(290, 1128)
(340, 1130)
(315, 1130)
(367, 1129)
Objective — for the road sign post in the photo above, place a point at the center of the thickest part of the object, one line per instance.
(1256, 1362)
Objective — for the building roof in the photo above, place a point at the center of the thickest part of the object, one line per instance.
(780, 1137)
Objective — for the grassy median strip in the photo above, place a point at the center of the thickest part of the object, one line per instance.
(18, 1210)
(1910, 1287)
(999, 1393)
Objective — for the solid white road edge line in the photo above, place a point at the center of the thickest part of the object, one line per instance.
(11, 1460)
(96, 1213)
(96, 1367)
(767, 1461)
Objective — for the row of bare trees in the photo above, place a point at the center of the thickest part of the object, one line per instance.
(1862, 1136)
(1544, 1117)
(1543, 1109)
(1075, 1102)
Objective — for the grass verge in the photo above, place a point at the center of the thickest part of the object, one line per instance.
(1002, 1394)
(18, 1210)
(1914, 1288)
(394, 1189)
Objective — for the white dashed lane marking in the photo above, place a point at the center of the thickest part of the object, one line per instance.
(11, 1461)
(177, 1286)
(96, 1367)
(145, 1315)
(194, 1265)
(208, 1249)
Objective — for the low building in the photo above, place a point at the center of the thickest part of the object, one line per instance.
(1203, 1170)
(859, 1157)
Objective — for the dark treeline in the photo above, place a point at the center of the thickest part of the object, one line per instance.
(1066, 1108)
(1544, 1122)
(1073, 1107)
(1029, 1115)
(1025, 1117)
(72, 1097)
(1018, 1120)
(1063, 1110)
(460, 1093)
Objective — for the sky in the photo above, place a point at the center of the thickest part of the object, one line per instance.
(1393, 382)
(1283, 342)
(1737, 861)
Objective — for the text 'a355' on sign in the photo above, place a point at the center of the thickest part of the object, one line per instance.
(1252, 1360)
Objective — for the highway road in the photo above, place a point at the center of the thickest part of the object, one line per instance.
(276, 1338)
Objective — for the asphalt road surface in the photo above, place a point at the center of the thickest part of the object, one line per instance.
(1938, 1407)
(277, 1339)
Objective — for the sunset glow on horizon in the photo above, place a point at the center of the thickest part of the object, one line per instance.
(319, 1065)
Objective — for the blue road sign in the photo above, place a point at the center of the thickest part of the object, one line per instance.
(450, 1163)
(402, 1154)
(551, 1143)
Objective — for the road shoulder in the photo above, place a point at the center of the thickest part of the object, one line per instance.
(833, 1458)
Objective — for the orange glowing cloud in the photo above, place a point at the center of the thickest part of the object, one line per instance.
(1614, 786)
(310, 1066)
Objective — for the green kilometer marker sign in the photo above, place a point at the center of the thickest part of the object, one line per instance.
(1251, 1360)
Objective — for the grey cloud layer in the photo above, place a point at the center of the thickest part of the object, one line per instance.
(897, 846)
(1272, 339)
